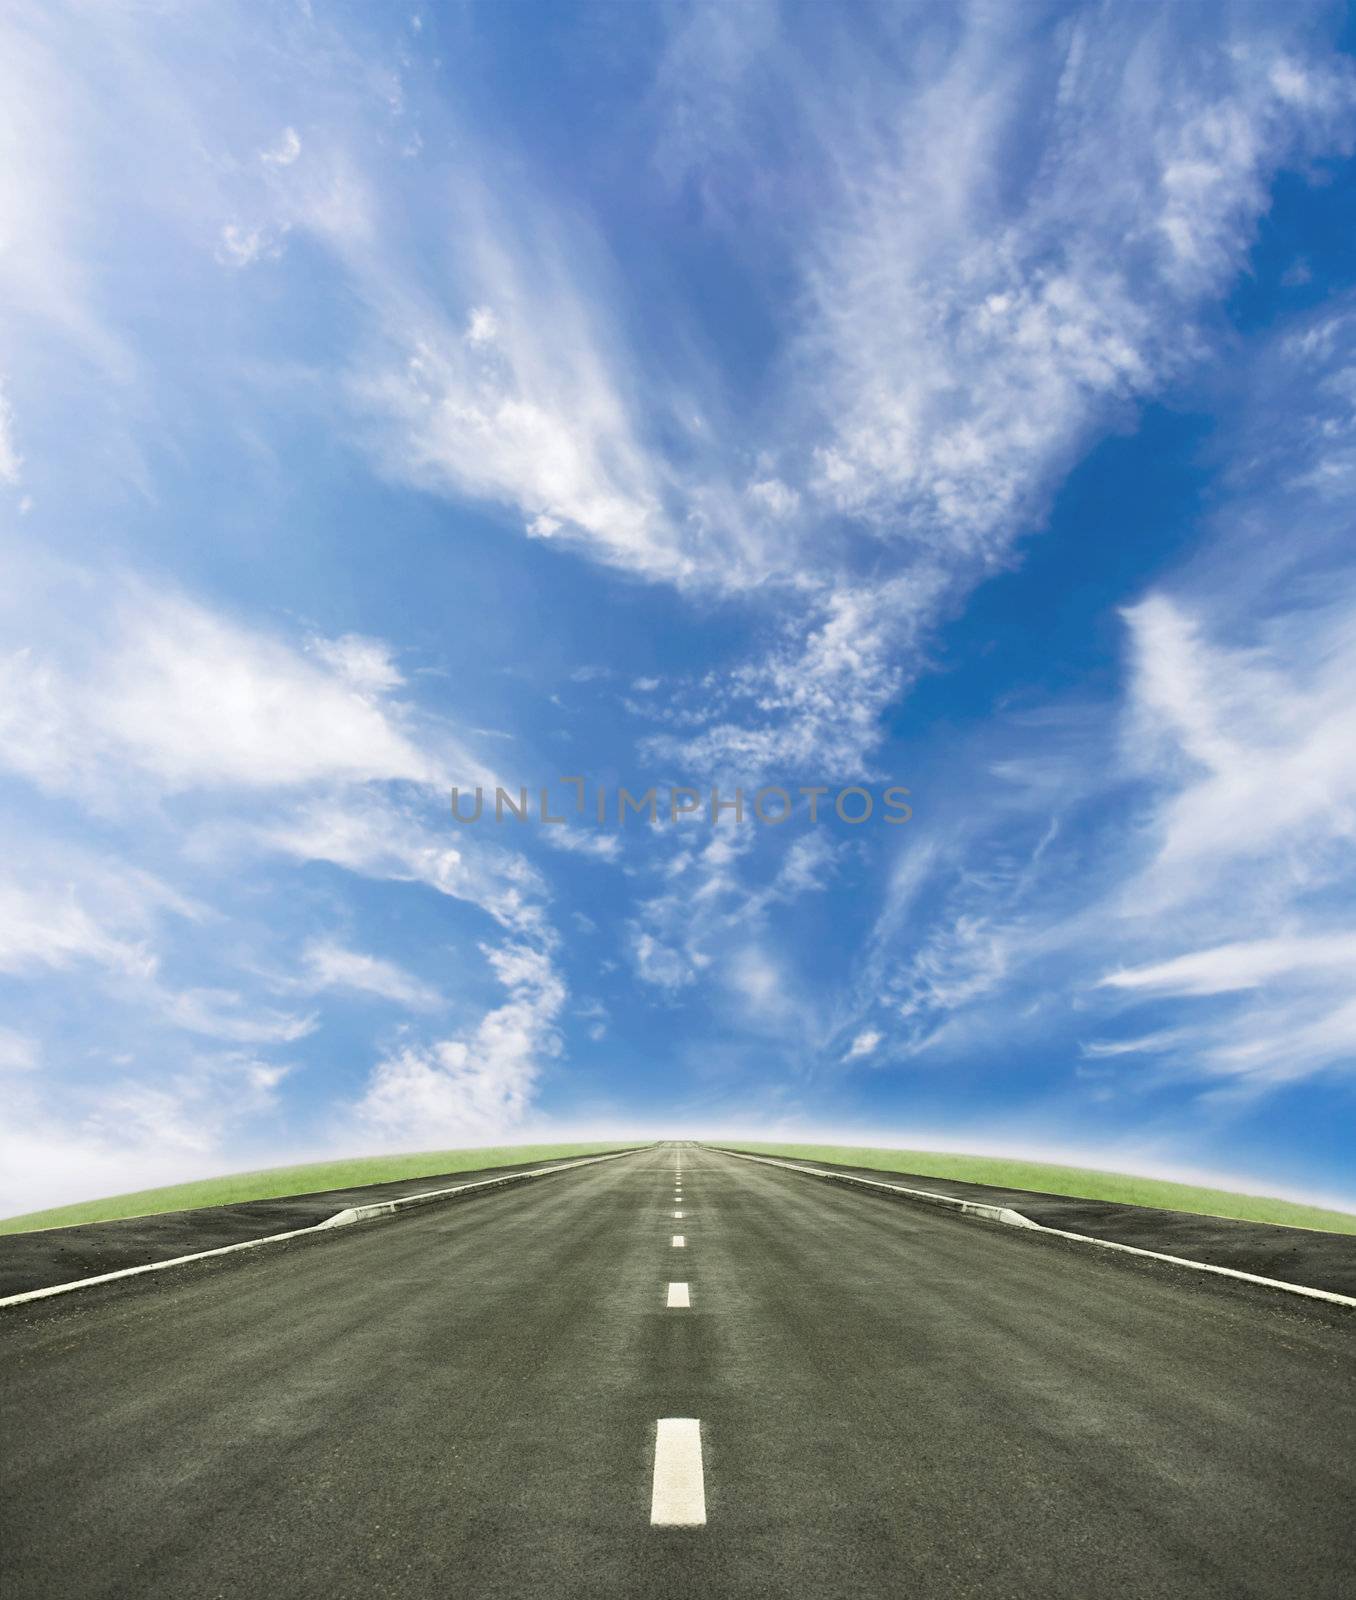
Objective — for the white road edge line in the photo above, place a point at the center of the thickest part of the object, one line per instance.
(1015, 1219)
(341, 1219)
(678, 1494)
(679, 1243)
(679, 1297)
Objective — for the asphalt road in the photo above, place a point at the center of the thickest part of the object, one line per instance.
(891, 1401)
(1271, 1250)
(46, 1256)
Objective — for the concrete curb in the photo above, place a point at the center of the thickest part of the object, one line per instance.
(949, 1202)
(341, 1219)
(1015, 1219)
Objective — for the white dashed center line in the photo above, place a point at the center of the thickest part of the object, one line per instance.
(679, 1243)
(679, 1298)
(678, 1499)
(677, 1216)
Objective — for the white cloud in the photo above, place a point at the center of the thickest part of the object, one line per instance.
(1247, 964)
(158, 696)
(1187, 901)
(708, 118)
(658, 963)
(185, 698)
(480, 1085)
(1279, 1043)
(864, 1044)
(1146, 1044)
(10, 459)
(285, 151)
(707, 919)
(960, 961)
(959, 328)
(812, 704)
(67, 909)
(967, 332)
(47, 1161)
(967, 323)
(754, 975)
(18, 1052)
(529, 418)
(367, 664)
(596, 1016)
(775, 497)
(48, 926)
(191, 1111)
(1258, 738)
(135, 1133)
(1246, 747)
(47, 195)
(809, 863)
(582, 842)
(482, 326)
(368, 834)
(329, 965)
(242, 245)
(225, 1014)
(961, 324)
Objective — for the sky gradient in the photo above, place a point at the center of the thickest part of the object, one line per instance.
(957, 397)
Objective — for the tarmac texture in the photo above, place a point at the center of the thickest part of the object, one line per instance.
(858, 1398)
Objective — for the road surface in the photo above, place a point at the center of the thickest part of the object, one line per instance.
(849, 1397)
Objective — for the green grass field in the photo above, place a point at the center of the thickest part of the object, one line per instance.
(1084, 1182)
(276, 1181)
(1041, 1176)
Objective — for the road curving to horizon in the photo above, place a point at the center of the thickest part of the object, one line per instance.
(850, 1396)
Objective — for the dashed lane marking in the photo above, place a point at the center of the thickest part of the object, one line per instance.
(678, 1497)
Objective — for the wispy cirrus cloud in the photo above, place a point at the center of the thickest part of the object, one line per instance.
(380, 836)
(54, 929)
(966, 324)
(1243, 894)
(1244, 964)
(974, 333)
(330, 965)
(1183, 913)
(10, 459)
(56, 1146)
(162, 691)
(959, 329)
(157, 699)
(517, 407)
(1259, 732)
(768, 385)
(225, 1014)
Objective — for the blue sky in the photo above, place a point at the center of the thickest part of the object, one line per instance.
(956, 397)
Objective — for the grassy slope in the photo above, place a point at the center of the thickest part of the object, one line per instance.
(1088, 1184)
(278, 1181)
